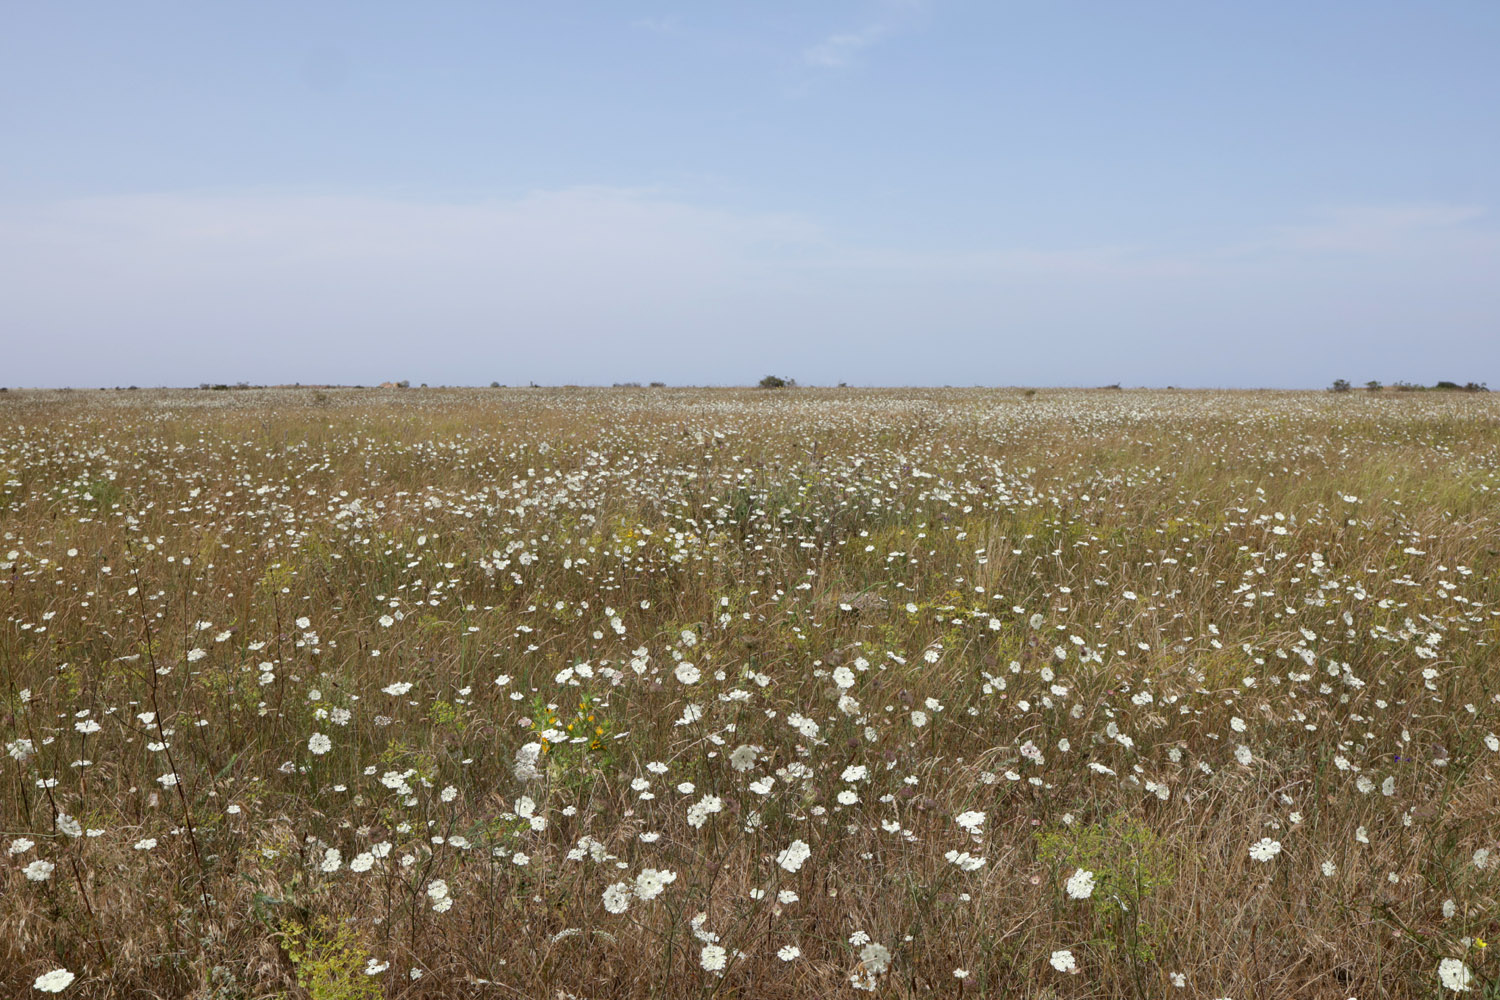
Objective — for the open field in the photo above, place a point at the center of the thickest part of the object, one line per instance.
(734, 693)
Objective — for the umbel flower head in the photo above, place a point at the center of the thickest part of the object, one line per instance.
(54, 982)
(1454, 975)
(794, 856)
(1081, 884)
(617, 897)
(1265, 849)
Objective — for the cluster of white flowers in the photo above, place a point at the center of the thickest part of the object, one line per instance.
(1081, 884)
(1265, 849)
(54, 982)
(794, 856)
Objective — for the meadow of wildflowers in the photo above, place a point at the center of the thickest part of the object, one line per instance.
(691, 693)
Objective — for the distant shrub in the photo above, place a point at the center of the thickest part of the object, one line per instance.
(1339, 385)
(1373, 385)
(776, 382)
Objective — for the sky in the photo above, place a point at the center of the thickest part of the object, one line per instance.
(877, 192)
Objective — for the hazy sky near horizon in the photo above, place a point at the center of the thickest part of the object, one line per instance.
(872, 191)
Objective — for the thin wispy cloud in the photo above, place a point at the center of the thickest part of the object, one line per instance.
(842, 49)
(603, 284)
(670, 24)
(1387, 228)
(838, 51)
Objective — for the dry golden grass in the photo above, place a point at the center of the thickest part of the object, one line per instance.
(1138, 631)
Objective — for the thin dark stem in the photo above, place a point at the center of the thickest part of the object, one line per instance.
(152, 684)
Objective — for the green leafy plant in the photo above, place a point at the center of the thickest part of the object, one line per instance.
(1129, 860)
(330, 961)
(1130, 864)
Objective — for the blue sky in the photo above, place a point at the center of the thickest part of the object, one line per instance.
(1042, 193)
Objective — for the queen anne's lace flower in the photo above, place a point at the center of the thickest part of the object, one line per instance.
(617, 897)
(650, 883)
(1081, 884)
(743, 757)
(796, 853)
(875, 957)
(971, 821)
(53, 982)
(1454, 975)
(1265, 849)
